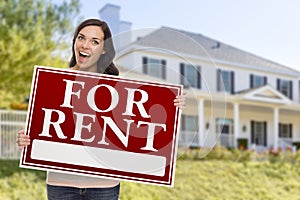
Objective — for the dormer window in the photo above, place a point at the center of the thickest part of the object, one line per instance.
(154, 67)
(190, 75)
(225, 81)
(256, 81)
(285, 87)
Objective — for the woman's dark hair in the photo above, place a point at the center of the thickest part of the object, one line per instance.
(105, 63)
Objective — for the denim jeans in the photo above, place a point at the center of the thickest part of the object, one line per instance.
(73, 193)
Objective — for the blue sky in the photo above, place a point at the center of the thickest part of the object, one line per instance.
(268, 28)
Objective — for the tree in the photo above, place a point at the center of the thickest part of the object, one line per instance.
(31, 30)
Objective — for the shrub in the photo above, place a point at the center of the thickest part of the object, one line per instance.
(238, 155)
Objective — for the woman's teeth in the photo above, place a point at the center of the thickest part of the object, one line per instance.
(84, 54)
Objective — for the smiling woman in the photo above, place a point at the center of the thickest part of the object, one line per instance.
(89, 48)
(93, 49)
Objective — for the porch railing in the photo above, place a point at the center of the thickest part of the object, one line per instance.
(227, 140)
(10, 123)
(188, 139)
(191, 139)
(286, 143)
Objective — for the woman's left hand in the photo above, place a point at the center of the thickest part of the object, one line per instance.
(180, 101)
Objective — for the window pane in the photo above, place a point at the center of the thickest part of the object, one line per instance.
(284, 87)
(258, 133)
(191, 75)
(285, 131)
(190, 123)
(154, 68)
(258, 81)
(226, 79)
(224, 125)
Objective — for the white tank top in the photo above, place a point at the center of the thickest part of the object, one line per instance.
(72, 180)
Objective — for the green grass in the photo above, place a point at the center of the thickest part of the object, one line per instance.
(195, 179)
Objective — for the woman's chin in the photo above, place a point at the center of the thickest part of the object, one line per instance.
(89, 68)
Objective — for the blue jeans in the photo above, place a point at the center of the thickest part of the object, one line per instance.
(73, 193)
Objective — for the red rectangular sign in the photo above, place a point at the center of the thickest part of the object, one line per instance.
(101, 125)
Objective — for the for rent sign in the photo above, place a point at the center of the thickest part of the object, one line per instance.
(101, 125)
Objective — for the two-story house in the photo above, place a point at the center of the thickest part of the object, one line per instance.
(232, 95)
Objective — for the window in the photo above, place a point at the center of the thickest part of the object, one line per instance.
(225, 81)
(285, 131)
(189, 126)
(285, 87)
(154, 67)
(189, 123)
(190, 75)
(224, 126)
(256, 81)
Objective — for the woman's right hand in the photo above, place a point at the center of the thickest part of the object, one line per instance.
(22, 139)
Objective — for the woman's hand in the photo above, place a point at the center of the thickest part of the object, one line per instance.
(180, 101)
(22, 139)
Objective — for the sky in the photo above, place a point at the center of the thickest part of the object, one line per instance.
(267, 28)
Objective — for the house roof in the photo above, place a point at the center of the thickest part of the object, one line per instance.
(187, 43)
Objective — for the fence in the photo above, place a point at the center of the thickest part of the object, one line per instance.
(10, 123)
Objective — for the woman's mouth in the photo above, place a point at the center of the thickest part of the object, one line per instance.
(83, 56)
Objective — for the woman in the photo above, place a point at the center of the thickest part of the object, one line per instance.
(92, 51)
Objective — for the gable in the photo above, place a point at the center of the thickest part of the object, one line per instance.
(265, 94)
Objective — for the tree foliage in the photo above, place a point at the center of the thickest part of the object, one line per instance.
(31, 30)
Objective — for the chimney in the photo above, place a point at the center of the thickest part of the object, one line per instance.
(121, 30)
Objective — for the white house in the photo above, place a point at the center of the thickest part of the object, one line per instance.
(233, 96)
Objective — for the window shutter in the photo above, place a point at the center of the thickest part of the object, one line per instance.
(252, 132)
(278, 84)
(182, 74)
(199, 77)
(279, 130)
(163, 64)
(265, 80)
(232, 82)
(265, 133)
(291, 130)
(219, 81)
(145, 65)
(251, 81)
(291, 89)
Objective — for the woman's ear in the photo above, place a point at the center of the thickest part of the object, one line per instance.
(103, 52)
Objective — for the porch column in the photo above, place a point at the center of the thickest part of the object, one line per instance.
(276, 121)
(201, 130)
(236, 123)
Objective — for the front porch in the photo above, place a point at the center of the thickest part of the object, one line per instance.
(261, 118)
(190, 139)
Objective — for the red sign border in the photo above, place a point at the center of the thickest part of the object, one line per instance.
(25, 164)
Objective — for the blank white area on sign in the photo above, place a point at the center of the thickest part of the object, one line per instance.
(98, 157)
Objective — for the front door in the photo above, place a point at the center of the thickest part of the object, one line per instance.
(259, 133)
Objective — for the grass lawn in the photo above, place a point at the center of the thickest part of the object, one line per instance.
(212, 179)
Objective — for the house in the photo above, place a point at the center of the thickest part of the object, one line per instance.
(234, 97)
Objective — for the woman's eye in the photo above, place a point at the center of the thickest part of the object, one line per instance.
(95, 42)
(79, 37)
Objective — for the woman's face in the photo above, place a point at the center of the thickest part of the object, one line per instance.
(89, 47)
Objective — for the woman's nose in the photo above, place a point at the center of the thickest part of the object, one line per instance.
(85, 44)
